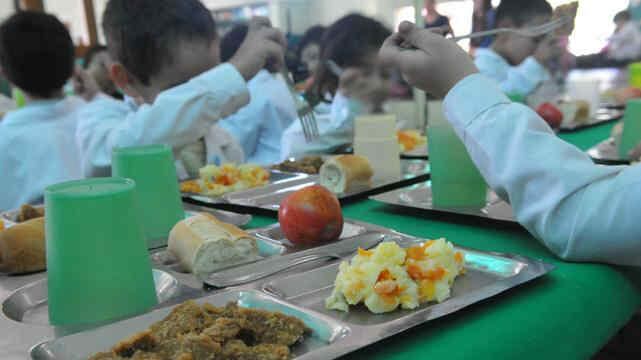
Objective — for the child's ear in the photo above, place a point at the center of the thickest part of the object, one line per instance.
(120, 76)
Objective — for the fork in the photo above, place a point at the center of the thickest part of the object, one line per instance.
(304, 110)
(532, 31)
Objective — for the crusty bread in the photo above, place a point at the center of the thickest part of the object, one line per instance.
(204, 244)
(22, 247)
(345, 173)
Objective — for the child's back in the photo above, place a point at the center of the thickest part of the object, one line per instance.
(37, 147)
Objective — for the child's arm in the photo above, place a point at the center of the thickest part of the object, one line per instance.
(179, 116)
(522, 79)
(581, 211)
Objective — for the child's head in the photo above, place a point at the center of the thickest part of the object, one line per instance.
(351, 42)
(308, 51)
(519, 14)
(158, 44)
(230, 43)
(621, 18)
(36, 53)
(96, 62)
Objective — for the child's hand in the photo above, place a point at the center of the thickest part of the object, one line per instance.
(263, 46)
(370, 89)
(547, 50)
(427, 60)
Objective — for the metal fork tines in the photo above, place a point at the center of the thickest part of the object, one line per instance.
(532, 31)
(304, 110)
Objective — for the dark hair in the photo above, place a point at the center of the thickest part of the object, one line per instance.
(622, 16)
(91, 54)
(522, 11)
(36, 52)
(347, 42)
(313, 35)
(144, 34)
(230, 43)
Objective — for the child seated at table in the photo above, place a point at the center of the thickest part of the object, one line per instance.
(36, 141)
(165, 55)
(352, 43)
(517, 62)
(579, 210)
(259, 126)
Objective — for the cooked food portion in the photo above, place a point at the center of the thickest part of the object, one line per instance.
(389, 276)
(218, 180)
(410, 139)
(344, 173)
(204, 244)
(575, 112)
(28, 212)
(207, 332)
(307, 165)
(22, 247)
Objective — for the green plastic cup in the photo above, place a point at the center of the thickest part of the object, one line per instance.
(98, 265)
(631, 127)
(456, 182)
(152, 168)
(634, 71)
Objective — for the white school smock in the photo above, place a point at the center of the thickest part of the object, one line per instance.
(579, 210)
(179, 116)
(37, 150)
(522, 79)
(259, 126)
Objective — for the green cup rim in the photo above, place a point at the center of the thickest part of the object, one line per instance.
(59, 189)
(152, 149)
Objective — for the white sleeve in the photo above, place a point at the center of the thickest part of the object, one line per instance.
(581, 211)
(522, 79)
(179, 116)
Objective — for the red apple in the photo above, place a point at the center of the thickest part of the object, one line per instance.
(551, 114)
(311, 216)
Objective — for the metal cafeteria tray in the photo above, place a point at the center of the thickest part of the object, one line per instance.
(602, 116)
(607, 153)
(420, 197)
(276, 178)
(420, 152)
(10, 217)
(269, 198)
(303, 294)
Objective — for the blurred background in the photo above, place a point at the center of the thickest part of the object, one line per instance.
(83, 17)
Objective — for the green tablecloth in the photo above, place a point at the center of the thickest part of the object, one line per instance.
(568, 314)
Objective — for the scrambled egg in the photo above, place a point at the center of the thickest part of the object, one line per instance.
(217, 180)
(389, 276)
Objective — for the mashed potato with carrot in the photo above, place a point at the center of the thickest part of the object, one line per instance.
(389, 276)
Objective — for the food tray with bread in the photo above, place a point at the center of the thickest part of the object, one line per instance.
(420, 197)
(322, 313)
(216, 181)
(607, 153)
(578, 122)
(347, 176)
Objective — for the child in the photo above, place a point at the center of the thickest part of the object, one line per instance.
(352, 43)
(36, 141)
(624, 46)
(259, 126)
(517, 62)
(581, 211)
(164, 55)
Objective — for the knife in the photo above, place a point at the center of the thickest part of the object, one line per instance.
(262, 269)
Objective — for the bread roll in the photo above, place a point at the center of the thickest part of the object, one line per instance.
(344, 173)
(204, 244)
(22, 247)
